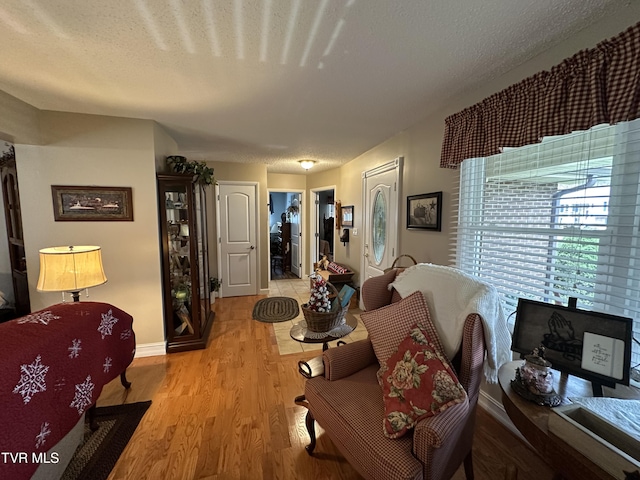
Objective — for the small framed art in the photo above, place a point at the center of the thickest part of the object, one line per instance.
(424, 212)
(73, 203)
(346, 213)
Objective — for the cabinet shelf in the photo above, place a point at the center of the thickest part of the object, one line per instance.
(187, 304)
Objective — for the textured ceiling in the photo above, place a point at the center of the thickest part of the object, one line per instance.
(272, 81)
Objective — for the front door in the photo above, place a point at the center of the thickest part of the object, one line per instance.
(381, 187)
(238, 255)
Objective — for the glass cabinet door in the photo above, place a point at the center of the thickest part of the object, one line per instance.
(180, 243)
(202, 253)
(183, 224)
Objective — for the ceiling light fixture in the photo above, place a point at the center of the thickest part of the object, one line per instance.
(307, 164)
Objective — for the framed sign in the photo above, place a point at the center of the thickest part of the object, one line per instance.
(73, 203)
(425, 211)
(346, 214)
(591, 345)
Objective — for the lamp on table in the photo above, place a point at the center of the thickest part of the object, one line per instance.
(70, 269)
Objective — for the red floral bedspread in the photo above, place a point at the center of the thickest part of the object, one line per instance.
(53, 365)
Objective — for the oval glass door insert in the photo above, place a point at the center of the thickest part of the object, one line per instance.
(379, 226)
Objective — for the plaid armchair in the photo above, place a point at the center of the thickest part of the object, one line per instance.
(347, 402)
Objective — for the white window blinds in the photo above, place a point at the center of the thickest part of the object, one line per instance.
(556, 220)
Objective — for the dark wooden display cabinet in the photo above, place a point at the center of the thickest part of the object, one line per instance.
(183, 232)
(15, 240)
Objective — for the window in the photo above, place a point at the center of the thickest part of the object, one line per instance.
(557, 219)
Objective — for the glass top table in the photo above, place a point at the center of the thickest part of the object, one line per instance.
(301, 333)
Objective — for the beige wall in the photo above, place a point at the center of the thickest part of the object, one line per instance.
(420, 146)
(103, 151)
(18, 120)
(164, 146)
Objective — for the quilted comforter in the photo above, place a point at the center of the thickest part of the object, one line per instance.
(53, 365)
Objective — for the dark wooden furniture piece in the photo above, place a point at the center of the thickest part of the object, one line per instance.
(15, 239)
(286, 246)
(532, 421)
(185, 262)
(300, 333)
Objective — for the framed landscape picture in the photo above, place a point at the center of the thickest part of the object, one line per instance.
(424, 211)
(73, 203)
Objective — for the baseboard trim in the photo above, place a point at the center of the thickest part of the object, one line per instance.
(496, 410)
(150, 349)
(264, 291)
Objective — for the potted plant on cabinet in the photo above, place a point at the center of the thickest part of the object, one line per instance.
(214, 287)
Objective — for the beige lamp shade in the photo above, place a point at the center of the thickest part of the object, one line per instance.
(70, 269)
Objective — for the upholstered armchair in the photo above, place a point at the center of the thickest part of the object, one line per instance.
(347, 401)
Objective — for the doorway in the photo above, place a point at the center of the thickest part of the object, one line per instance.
(323, 224)
(285, 234)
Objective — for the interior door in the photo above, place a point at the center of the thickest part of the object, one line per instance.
(295, 236)
(381, 189)
(237, 239)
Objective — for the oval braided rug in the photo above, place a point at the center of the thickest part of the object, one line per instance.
(276, 309)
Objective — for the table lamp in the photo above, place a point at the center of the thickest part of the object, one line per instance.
(70, 269)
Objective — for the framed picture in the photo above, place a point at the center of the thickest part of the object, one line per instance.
(72, 203)
(346, 214)
(592, 345)
(425, 211)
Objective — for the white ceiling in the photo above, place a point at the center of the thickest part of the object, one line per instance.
(272, 81)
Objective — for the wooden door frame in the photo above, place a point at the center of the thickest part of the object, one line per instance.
(314, 220)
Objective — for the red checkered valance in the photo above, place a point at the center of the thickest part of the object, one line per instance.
(594, 86)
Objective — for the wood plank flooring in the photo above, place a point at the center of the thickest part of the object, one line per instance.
(227, 412)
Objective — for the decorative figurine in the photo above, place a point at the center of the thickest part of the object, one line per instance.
(534, 379)
(324, 263)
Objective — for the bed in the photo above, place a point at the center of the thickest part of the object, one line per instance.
(53, 366)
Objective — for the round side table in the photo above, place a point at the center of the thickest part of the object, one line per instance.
(300, 333)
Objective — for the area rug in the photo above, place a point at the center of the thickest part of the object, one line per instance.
(96, 456)
(276, 309)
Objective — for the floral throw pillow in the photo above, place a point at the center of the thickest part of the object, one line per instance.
(418, 382)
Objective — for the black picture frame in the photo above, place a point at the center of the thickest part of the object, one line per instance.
(561, 330)
(78, 203)
(346, 214)
(424, 212)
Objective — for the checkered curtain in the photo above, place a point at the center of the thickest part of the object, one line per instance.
(599, 85)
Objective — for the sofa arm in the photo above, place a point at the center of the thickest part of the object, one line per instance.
(342, 361)
(439, 431)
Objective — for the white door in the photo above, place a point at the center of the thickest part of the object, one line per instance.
(295, 236)
(237, 252)
(381, 190)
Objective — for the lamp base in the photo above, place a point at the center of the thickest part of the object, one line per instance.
(75, 296)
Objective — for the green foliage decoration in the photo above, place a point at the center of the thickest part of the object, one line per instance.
(214, 284)
(203, 173)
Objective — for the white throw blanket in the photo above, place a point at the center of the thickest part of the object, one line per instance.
(451, 296)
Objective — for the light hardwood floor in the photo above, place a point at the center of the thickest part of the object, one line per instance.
(227, 412)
